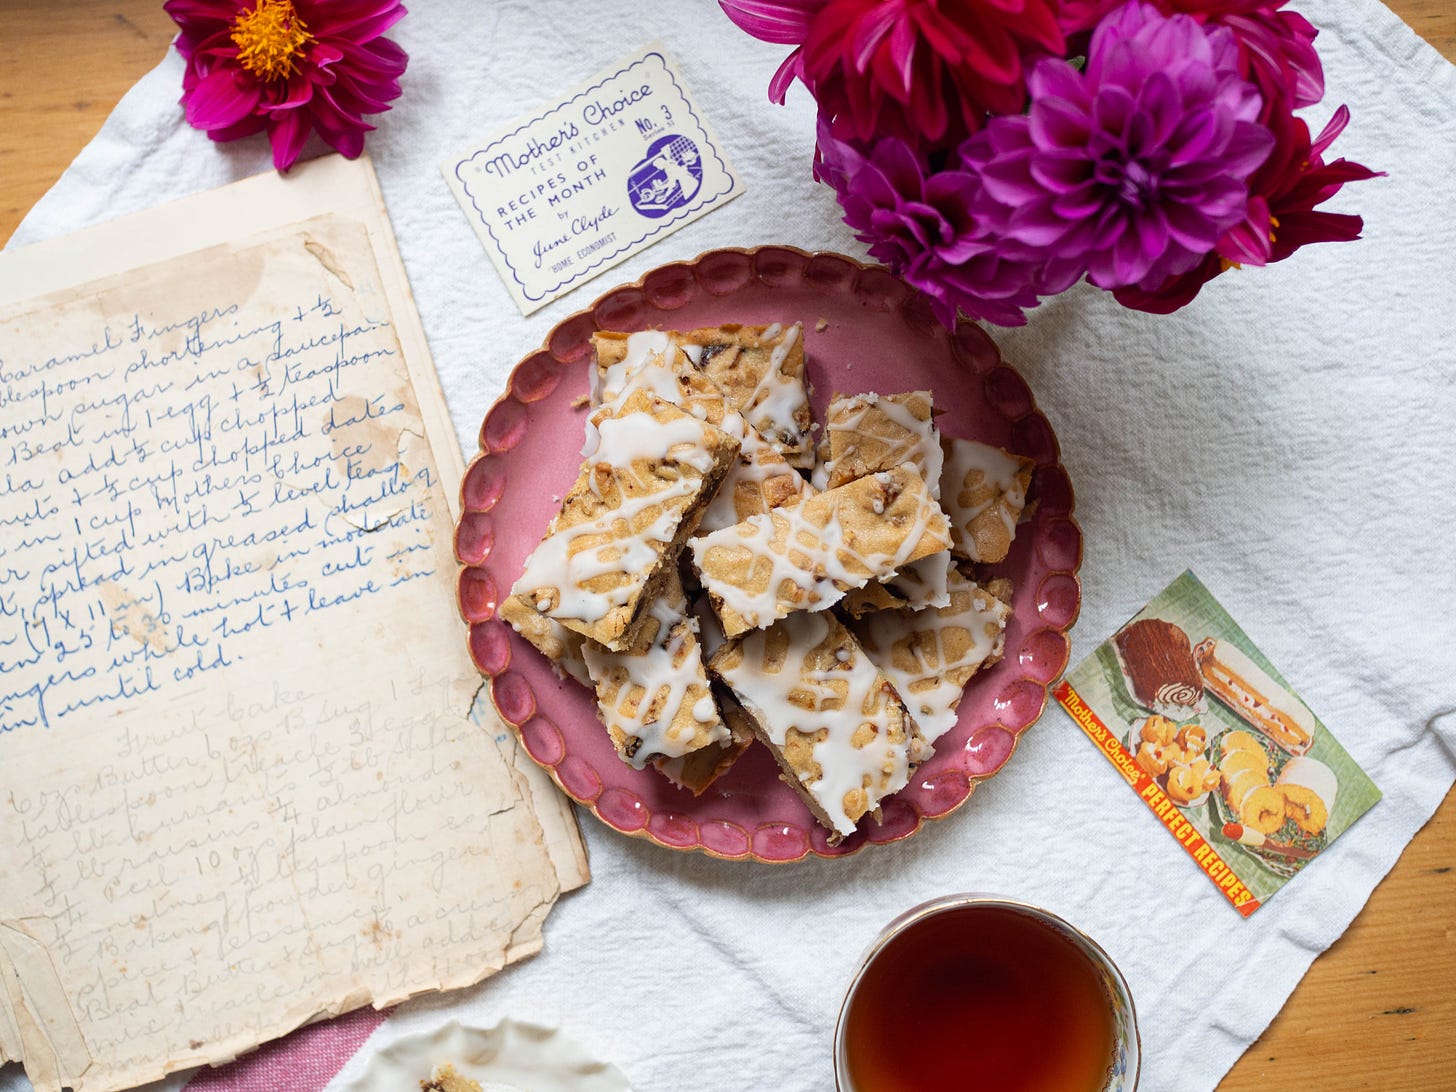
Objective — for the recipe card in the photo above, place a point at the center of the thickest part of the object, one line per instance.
(583, 184)
(241, 784)
(1218, 746)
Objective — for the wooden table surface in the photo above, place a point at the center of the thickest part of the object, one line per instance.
(1377, 1011)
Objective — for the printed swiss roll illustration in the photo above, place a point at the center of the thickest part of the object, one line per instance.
(1157, 659)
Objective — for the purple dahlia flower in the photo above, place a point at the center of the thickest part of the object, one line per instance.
(922, 226)
(1131, 170)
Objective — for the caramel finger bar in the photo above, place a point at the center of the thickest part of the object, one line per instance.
(653, 696)
(638, 496)
(759, 481)
(930, 655)
(915, 586)
(807, 557)
(983, 491)
(867, 433)
(760, 477)
(698, 769)
(558, 644)
(833, 722)
(651, 361)
(759, 369)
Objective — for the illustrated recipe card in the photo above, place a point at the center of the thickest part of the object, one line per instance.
(569, 192)
(1216, 744)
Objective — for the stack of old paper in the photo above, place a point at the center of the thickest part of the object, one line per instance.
(240, 781)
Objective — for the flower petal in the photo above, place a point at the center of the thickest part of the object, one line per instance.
(221, 98)
(287, 133)
(781, 22)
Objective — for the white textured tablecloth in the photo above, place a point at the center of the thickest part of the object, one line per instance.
(1288, 436)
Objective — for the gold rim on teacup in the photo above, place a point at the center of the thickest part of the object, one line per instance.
(1124, 1068)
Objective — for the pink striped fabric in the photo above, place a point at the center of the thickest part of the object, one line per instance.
(304, 1061)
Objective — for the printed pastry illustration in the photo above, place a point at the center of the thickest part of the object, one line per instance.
(1279, 812)
(1252, 800)
(1175, 756)
(1309, 788)
(1234, 679)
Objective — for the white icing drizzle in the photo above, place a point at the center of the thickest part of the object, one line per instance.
(770, 407)
(568, 559)
(970, 468)
(648, 366)
(819, 475)
(913, 441)
(608, 384)
(929, 655)
(758, 463)
(924, 583)
(847, 701)
(642, 691)
(778, 397)
(807, 547)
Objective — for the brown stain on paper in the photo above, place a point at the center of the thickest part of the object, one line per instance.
(130, 617)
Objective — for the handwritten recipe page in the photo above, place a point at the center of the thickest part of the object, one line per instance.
(240, 786)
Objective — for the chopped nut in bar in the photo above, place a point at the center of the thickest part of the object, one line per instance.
(653, 696)
(866, 433)
(760, 370)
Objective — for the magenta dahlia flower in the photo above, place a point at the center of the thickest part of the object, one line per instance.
(290, 67)
(926, 71)
(1276, 47)
(1283, 213)
(922, 226)
(1133, 169)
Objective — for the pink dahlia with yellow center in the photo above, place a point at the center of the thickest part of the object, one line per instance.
(289, 68)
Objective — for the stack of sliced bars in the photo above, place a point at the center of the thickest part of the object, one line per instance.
(716, 577)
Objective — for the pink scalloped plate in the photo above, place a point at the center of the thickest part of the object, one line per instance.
(864, 330)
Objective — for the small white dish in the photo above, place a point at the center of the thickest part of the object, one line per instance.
(510, 1057)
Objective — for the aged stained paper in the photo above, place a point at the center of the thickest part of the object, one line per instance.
(240, 787)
